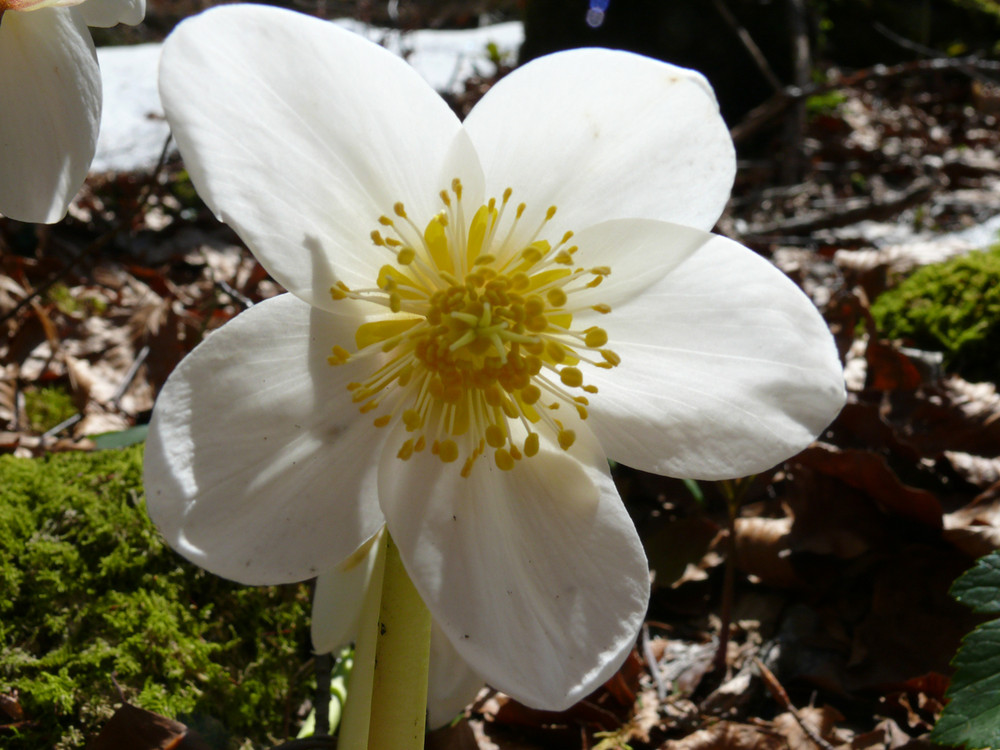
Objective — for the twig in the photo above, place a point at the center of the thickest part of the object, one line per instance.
(121, 693)
(773, 107)
(902, 41)
(778, 692)
(237, 295)
(100, 242)
(920, 190)
(653, 664)
(97, 244)
(751, 46)
(795, 123)
(147, 188)
(123, 386)
(129, 376)
(64, 425)
(734, 490)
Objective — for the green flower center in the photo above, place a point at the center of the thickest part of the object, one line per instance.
(480, 337)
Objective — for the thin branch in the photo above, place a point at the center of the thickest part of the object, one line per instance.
(776, 105)
(779, 694)
(751, 46)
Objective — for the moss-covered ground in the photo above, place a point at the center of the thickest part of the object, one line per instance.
(951, 307)
(88, 591)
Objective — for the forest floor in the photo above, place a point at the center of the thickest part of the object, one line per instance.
(837, 623)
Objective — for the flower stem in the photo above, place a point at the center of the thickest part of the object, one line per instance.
(402, 659)
(387, 698)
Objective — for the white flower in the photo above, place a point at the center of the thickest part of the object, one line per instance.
(446, 363)
(50, 100)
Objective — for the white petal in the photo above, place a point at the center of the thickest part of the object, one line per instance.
(111, 12)
(639, 253)
(338, 596)
(50, 110)
(727, 369)
(452, 684)
(536, 575)
(258, 467)
(300, 135)
(604, 134)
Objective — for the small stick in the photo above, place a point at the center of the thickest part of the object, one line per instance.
(782, 100)
(653, 664)
(778, 692)
(749, 44)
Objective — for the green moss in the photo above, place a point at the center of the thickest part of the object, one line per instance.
(951, 307)
(46, 407)
(90, 590)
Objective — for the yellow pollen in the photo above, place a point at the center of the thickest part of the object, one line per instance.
(477, 347)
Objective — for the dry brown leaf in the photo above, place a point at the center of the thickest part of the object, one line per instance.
(762, 550)
(821, 721)
(133, 728)
(976, 470)
(729, 735)
(886, 736)
(975, 529)
(870, 473)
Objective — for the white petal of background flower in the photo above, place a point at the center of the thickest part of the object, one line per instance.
(727, 369)
(51, 95)
(258, 467)
(302, 136)
(106, 13)
(536, 575)
(451, 684)
(337, 599)
(604, 134)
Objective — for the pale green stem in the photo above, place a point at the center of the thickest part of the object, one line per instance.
(402, 660)
(387, 699)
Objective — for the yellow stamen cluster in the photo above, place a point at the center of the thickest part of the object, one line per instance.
(482, 333)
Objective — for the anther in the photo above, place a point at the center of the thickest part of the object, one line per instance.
(447, 451)
(504, 461)
(595, 337)
(531, 444)
(557, 298)
(571, 377)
